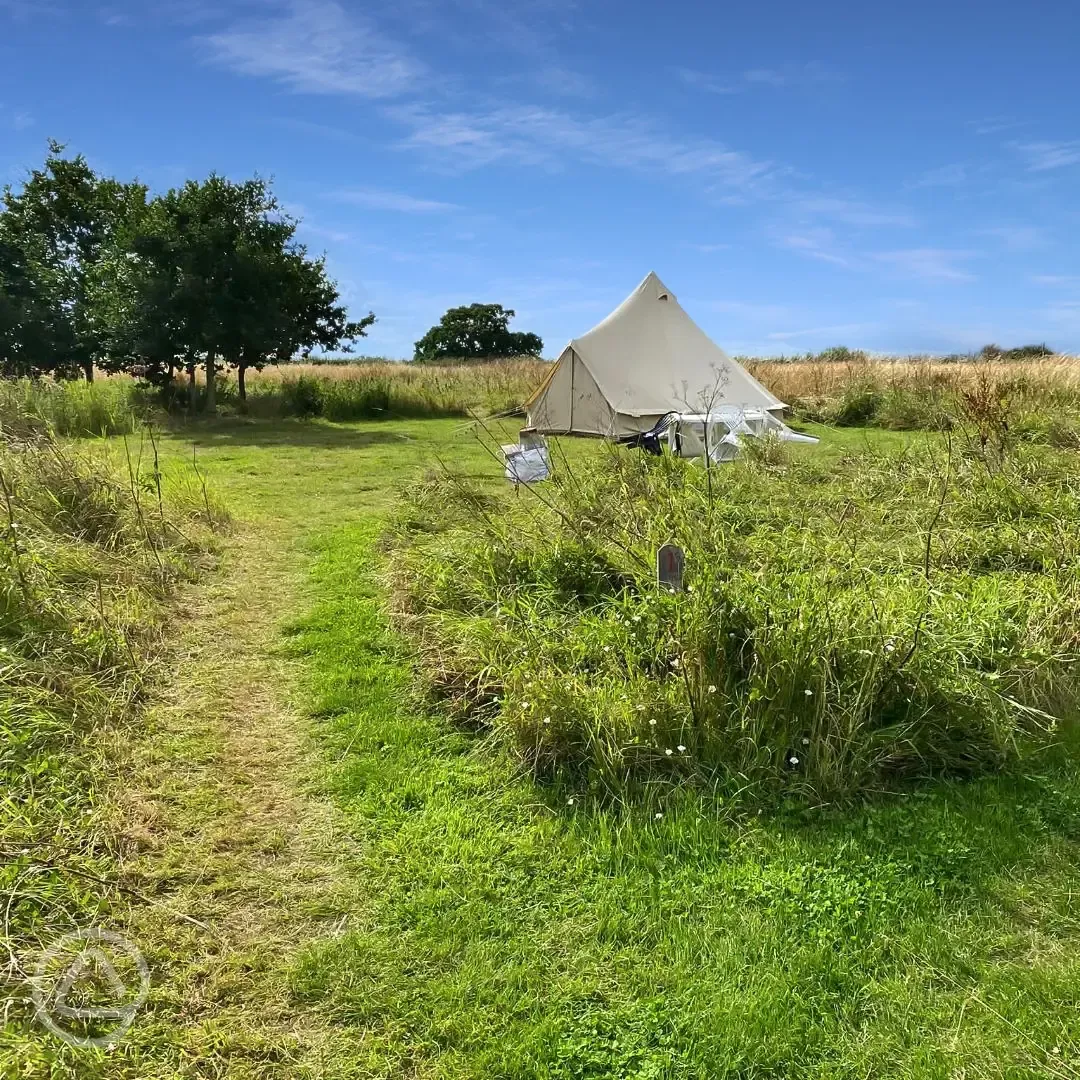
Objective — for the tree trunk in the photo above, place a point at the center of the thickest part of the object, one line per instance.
(241, 386)
(192, 389)
(211, 380)
(88, 367)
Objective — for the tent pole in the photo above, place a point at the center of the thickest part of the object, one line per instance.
(573, 367)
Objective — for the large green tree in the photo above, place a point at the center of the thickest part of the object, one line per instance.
(476, 332)
(53, 232)
(212, 275)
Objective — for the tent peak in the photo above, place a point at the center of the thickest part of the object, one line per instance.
(653, 287)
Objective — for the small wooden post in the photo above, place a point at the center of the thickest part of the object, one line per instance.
(670, 564)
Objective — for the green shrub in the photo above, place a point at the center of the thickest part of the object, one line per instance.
(816, 649)
(302, 396)
(859, 405)
(841, 354)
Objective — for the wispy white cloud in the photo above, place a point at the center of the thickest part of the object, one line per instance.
(317, 47)
(929, 264)
(806, 75)
(710, 249)
(535, 135)
(943, 176)
(373, 199)
(766, 77)
(994, 125)
(1046, 155)
(17, 119)
(712, 84)
(114, 17)
(819, 243)
(851, 212)
(1017, 237)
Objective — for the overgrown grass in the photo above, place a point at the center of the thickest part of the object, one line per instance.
(1039, 399)
(107, 406)
(847, 624)
(374, 390)
(92, 552)
(1038, 396)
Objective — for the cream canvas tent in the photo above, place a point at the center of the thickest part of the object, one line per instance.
(646, 359)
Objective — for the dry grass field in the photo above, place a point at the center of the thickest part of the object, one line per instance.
(820, 378)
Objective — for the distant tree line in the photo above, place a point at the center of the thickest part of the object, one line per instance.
(97, 274)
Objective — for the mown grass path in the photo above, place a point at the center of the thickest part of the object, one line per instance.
(225, 827)
(386, 897)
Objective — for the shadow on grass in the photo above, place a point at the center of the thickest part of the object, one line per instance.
(314, 433)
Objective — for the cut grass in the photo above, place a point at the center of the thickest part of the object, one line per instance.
(471, 924)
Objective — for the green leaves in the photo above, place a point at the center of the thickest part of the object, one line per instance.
(92, 274)
(476, 332)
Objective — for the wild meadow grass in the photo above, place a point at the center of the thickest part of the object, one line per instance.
(1040, 396)
(107, 406)
(479, 923)
(381, 390)
(846, 624)
(93, 549)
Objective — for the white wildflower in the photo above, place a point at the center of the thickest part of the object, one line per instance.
(658, 815)
(712, 689)
(652, 723)
(570, 801)
(793, 760)
(675, 662)
(669, 752)
(808, 693)
(806, 742)
(547, 719)
(681, 748)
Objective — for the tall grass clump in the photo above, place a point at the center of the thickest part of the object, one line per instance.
(93, 550)
(845, 626)
(111, 406)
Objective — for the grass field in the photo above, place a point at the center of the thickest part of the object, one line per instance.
(333, 879)
(381, 893)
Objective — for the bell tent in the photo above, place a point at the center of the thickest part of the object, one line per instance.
(646, 359)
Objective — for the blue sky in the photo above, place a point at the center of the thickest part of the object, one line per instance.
(899, 177)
